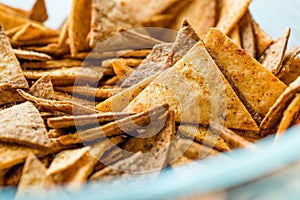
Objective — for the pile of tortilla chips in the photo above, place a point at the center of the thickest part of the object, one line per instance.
(72, 113)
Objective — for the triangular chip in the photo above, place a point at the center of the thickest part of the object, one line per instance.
(10, 70)
(23, 124)
(43, 88)
(273, 58)
(9, 21)
(247, 35)
(189, 82)
(263, 40)
(34, 183)
(231, 13)
(235, 36)
(38, 11)
(9, 95)
(257, 87)
(31, 55)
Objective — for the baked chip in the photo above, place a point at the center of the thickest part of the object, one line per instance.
(31, 55)
(38, 11)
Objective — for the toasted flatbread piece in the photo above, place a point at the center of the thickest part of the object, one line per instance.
(9, 95)
(67, 76)
(159, 20)
(60, 96)
(263, 40)
(34, 182)
(231, 13)
(131, 62)
(107, 17)
(257, 87)
(247, 35)
(289, 115)
(204, 136)
(230, 137)
(155, 62)
(10, 33)
(52, 64)
(235, 36)
(9, 21)
(32, 31)
(13, 176)
(68, 107)
(35, 45)
(121, 70)
(84, 120)
(290, 70)
(272, 119)
(13, 11)
(273, 58)
(119, 101)
(201, 14)
(155, 148)
(10, 69)
(38, 11)
(43, 88)
(12, 154)
(65, 159)
(79, 25)
(23, 124)
(192, 75)
(31, 55)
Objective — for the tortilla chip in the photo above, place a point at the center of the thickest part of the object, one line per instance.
(130, 62)
(32, 31)
(68, 107)
(235, 35)
(288, 116)
(34, 183)
(43, 88)
(119, 101)
(231, 13)
(192, 75)
(155, 148)
(38, 11)
(67, 76)
(23, 124)
(31, 55)
(84, 120)
(204, 136)
(263, 40)
(107, 17)
(290, 70)
(201, 15)
(10, 69)
(257, 87)
(155, 62)
(125, 125)
(273, 58)
(247, 35)
(66, 159)
(271, 120)
(122, 71)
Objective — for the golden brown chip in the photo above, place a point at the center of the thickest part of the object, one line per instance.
(9, 21)
(288, 115)
(121, 70)
(60, 96)
(272, 119)
(10, 70)
(43, 88)
(9, 95)
(263, 40)
(68, 107)
(23, 124)
(247, 35)
(231, 13)
(192, 75)
(10, 33)
(38, 45)
(34, 183)
(13, 176)
(235, 35)
(52, 64)
(257, 87)
(38, 11)
(119, 101)
(131, 62)
(273, 58)
(31, 55)
(159, 20)
(13, 11)
(79, 25)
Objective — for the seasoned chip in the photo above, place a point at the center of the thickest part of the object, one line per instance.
(122, 71)
(13, 176)
(31, 55)
(60, 96)
(9, 21)
(273, 58)
(131, 62)
(23, 124)
(271, 120)
(235, 35)
(257, 88)
(52, 64)
(9, 95)
(38, 11)
(10, 70)
(36, 45)
(192, 75)
(247, 35)
(231, 13)
(42, 88)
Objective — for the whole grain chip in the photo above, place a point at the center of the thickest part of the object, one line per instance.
(247, 35)
(68, 107)
(155, 62)
(271, 120)
(52, 64)
(257, 87)
(10, 70)
(23, 124)
(34, 183)
(65, 159)
(31, 55)
(273, 58)
(288, 115)
(38, 11)
(9, 95)
(231, 13)
(189, 82)
(79, 25)
(43, 88)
